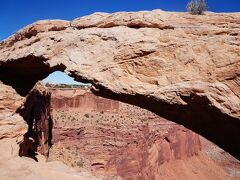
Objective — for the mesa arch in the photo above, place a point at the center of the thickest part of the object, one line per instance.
(184, 68)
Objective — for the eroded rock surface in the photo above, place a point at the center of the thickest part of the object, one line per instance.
(130, 143)
(81, 100)
(12, 126)
(12, 130)
(36, 113)
(10, 101)
(182, 67)
(222, 158)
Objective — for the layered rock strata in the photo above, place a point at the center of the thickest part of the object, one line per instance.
(182, 67)
(13, 128)
(81, 100)
(131, 143)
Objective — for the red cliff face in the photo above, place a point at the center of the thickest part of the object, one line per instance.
(81, 100)
(132, 143)
(143, 158)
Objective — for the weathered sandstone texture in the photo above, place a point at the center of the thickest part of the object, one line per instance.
(10, 101)
(12, 126)
(184, 68)
(12, 130)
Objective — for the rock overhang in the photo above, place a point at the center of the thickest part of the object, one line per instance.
(174, 64)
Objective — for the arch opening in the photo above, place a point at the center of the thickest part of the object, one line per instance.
(198, 116)
(23, 74)
(102, 134)
(36, 112)
(60, 78)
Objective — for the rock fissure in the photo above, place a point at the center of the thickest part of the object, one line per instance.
(36, 113)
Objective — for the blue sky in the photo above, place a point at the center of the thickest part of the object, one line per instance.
(15, 14)
(59, 77)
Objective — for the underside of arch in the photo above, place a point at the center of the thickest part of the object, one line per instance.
(197, 115)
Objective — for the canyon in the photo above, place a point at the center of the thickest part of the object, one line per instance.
(81, 100)
(16, 141)
(181, 71)
(122, 141)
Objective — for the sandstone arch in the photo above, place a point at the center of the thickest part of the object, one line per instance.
(181, 67)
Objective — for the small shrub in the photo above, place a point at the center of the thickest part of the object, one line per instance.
(86, 115)
(197, 7)
(80, 163)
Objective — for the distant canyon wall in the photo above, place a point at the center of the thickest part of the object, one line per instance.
(81, 100)
(14, 138)
(125, 140)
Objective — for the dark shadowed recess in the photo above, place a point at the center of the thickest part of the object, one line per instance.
(25, 72)
(37, 114)
(198, 115)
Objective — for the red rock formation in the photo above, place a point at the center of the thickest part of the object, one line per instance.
(12, 130)
(36, 112)
(130, 144)
(167, 64)
(82, 101)
(133, 144)
(140, 160)
(173, 64)
(222, 158)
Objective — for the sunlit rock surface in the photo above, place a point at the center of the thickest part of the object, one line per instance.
(174, 64)
(184, 68)
(81, 100)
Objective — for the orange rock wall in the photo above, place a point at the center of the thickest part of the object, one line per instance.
(82, 101)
